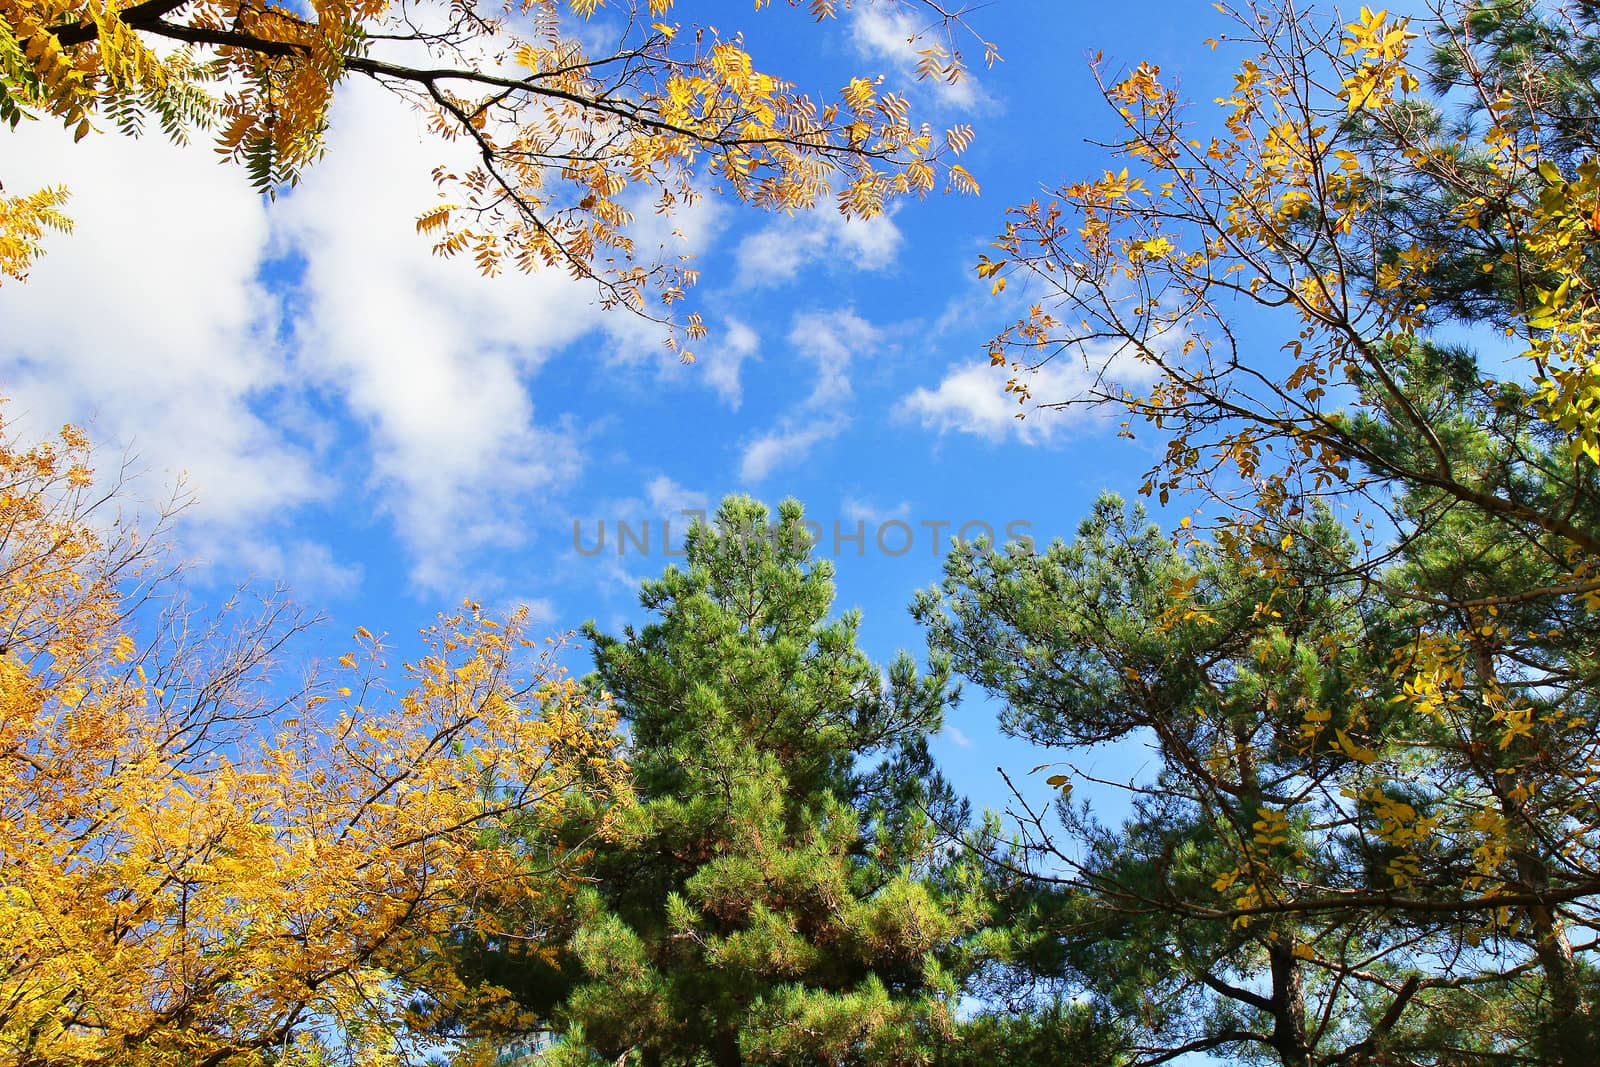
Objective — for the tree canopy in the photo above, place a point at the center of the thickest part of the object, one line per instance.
(1262, 899)
(1287, 280)
(580, 115)
(778, 894)
(1356, 308)
(203, 866)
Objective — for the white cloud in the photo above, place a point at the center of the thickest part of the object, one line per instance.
(672, 510)
(669, 500)
(544, 618)
(403, 384)
(972, 398)
(433, 360)
(831, 340)
(308, 568)
(777, 252)
(856, 509)
(655, 523)
(786, 446)
(895, 36)
(950, 733)
(149, 324)
(721, 361)
(152, 323)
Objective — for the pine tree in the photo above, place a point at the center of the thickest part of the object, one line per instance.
(1529, 65)
(778, 894)
(1340, 215)
(1282, 772)
(1507, 733)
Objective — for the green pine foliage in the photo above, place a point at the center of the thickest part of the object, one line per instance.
(1245, 686)
(787, 888)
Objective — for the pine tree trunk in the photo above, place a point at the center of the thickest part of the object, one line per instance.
(1570, 1037)
(726, 1053)
(1289, 1037)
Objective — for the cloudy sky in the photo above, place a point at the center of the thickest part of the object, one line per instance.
(388, 432)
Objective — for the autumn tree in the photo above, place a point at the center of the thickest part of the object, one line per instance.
(201, 864)
(24, 221)
(779, 894)
(1285, 282)
(1253, 692)
(571, 139)
(1553, 55)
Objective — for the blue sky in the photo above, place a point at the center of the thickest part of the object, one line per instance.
(389, 433)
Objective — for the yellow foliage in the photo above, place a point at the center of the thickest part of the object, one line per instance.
(1169, 270)
(569, 140)
(194, 869)
(23, 222)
